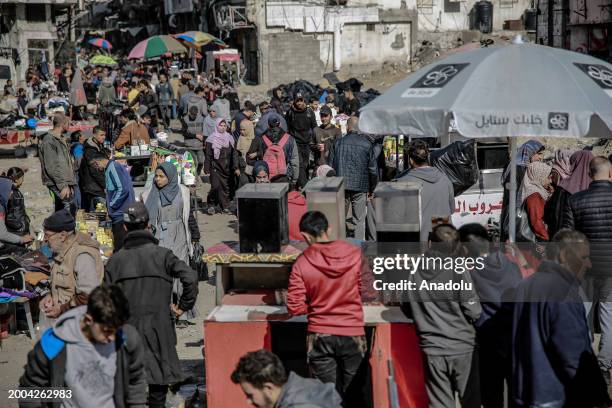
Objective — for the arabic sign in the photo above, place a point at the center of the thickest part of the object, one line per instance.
(433, 81)
(477, 208)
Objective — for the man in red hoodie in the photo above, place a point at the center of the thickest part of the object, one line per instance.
(325, 284)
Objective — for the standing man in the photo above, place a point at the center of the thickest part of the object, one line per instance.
(301, 122)
(145, 271)
(325, 284)
(93, 353)
(553, 363)
(352, 157)
(165, 95)
(93, 184)
(444, 323)
(193, 134)
(119, 194)
(57, 165)
(324, 136)
(351, 104)
(437, 196)
(246, 113)
(590, 212)
(77, 267)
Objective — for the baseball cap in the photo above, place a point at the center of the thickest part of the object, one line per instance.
(136, 213)
(273, 122)
(298, 96)
(325, 110)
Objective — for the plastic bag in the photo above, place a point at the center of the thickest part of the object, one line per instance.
(458, 162)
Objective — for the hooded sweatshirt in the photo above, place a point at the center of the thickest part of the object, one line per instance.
(437, 196)
(90, 367)
(325, 284)
(444, 319)
(308, 392)
(296, 209)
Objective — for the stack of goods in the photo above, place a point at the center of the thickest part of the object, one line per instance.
(98, 226)
(183, 162)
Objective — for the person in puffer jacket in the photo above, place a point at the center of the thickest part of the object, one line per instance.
(265, 383)
(326, 285)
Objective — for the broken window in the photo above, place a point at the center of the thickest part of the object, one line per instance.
(36, 12)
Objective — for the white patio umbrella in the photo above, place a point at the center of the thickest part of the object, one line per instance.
(519, 90)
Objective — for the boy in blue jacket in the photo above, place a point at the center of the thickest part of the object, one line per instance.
(119, 194)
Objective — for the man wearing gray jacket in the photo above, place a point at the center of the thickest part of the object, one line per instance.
(57, 165)
(437, 196)
(444, 321)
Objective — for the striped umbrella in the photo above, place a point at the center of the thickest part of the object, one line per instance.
(199, 40)
(100, 43)
(156, 46)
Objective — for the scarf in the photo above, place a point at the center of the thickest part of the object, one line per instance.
(562, 164)
(579, 178)
(220, 140)
(244, 141)
(164, 195)
(523, 156)
(535, 178)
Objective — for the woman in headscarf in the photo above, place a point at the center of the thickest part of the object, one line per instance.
(536, 189)
(221, 163)
(247, 151)
(577, 180)
(530, 151)
(562, 167)
(168, 204)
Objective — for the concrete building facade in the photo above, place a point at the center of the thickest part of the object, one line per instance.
(31, 28)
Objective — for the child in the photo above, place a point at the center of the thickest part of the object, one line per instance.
(17, 220)
(41, 108)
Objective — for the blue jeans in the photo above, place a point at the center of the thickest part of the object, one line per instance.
(599, 291)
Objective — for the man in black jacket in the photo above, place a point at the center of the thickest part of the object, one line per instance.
(590, 212)
(92, 353)
(91, 179)
(146, 273)
(301, 121)
(353, 158)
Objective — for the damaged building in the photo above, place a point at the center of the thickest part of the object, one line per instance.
(285, 40)
(577, 25)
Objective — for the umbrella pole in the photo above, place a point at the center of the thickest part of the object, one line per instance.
(512, 201)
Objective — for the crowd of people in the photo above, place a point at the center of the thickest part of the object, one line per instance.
(523, 337)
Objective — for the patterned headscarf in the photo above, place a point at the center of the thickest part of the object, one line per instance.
(524, 155)
(220, 140)
(536, 177)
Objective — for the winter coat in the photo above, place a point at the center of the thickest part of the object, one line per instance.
(437, 196)
(55, 162)
(46, 368)
(590, 212)
(17, 220)
(106, 94)
(222, 107)
(444, 320)
(534, 205)
(307, 393)
(352, 157)
(235, 125)
(325, 284)
(553, 363)
(119, 190)
(262, 123)
(301, 124)
(131, 133)
(148, 99)
(165, 93)
(296, 208)
(142, 268)
(92, 179)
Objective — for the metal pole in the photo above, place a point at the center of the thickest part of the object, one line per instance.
(512, 201)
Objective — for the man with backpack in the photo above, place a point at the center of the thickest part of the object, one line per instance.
(280, 151)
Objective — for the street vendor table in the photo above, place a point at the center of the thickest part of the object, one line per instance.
(140, 162)
(250, 316)
(14, 136)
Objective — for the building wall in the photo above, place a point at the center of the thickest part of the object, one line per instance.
(370, 34)
(434, 18)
